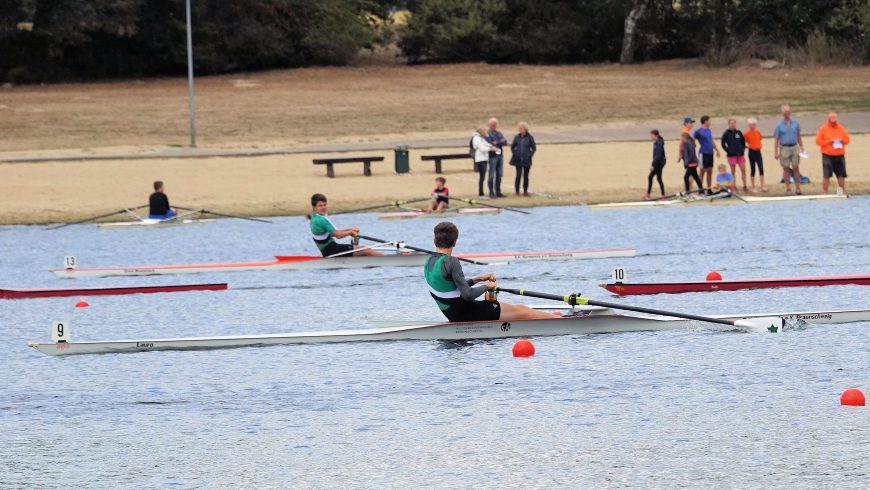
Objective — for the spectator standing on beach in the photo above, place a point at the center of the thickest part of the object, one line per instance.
(752, 136)
(482, 149)
(690, 161)
(496, 158)
(832, 139)
(523, 148)
(734, 144)
(688, 122)
(706, 148)
(658, 163)
(787, 147)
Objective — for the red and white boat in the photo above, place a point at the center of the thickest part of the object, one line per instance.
(309, 262)
(416, 213)
(629, 289)
(6, 293)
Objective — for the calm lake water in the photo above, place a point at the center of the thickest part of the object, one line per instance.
(698, 408)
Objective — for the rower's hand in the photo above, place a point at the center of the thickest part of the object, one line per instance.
(490, 285)
(484, 277)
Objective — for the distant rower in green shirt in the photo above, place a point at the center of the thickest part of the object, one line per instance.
(455, 295)
(325, 233)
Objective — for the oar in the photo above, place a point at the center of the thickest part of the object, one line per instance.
(387, 205)
(423, 250)
(770, 324)
(96, 217)
(206, 211)
(474, 202)
(738, 196)
(679, 194)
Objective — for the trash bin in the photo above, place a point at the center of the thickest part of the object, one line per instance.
(402, 166)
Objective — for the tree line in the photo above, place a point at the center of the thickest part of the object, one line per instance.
(54, 40)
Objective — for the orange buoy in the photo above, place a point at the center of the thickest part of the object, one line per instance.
(714, 276)
(852, 397)
(82, 304)
(524, 348)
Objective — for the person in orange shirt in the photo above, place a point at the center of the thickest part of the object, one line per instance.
(832, 138)
(752, 136)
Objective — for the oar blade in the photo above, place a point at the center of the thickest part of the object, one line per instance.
(764, 324)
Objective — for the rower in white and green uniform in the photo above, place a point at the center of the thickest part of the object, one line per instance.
(455, 295)
(324, 232)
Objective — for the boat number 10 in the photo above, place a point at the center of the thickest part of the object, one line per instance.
(619, 274)
(60, 331)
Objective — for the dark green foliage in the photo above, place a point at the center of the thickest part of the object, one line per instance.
(571, 31)
(48, 40)
(93, 39)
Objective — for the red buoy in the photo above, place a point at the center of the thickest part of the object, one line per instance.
(714, 276)
(852, 397)
(524, 348)
(82, 304)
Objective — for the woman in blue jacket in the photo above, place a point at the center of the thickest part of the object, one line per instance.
(523, 149)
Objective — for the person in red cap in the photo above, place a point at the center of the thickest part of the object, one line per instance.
(832, 139)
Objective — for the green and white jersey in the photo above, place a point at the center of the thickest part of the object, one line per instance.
(447, 283)
(322, 230)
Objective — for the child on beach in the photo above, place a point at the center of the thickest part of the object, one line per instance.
(440, 196)
(753, 143)
(725, 180)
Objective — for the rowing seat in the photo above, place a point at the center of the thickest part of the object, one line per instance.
(447, 156)
(366, 161)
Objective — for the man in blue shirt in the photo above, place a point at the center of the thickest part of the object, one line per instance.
(496, 159)
(787, 148)
(706, 146)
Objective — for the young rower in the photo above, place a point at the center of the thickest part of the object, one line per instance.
(440, 196)
(324, 232)
(724, 180)
(158, 203)
(455, 295)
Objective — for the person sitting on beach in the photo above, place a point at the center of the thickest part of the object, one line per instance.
(440, 196)
(725, 180)
(455, 295)
(158, 203)
(324, 232)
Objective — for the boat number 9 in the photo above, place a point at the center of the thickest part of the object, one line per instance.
(60, 331)
(69, 262)
(619, 274)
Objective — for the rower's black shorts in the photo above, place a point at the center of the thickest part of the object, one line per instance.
(707, 160)
(336, 248)
(473, 311)
(833, 165)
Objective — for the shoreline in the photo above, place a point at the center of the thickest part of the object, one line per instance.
(280, 185)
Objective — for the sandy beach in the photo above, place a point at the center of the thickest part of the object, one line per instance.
(366, 110)
(282, 184)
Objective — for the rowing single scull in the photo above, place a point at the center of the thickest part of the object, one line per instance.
(590, 320)
(628, 289)
(309, 262)
(416, 213)
(7, 293)
(716, 199)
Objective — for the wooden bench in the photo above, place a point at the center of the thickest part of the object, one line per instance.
(448, 156)
(366, 161)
